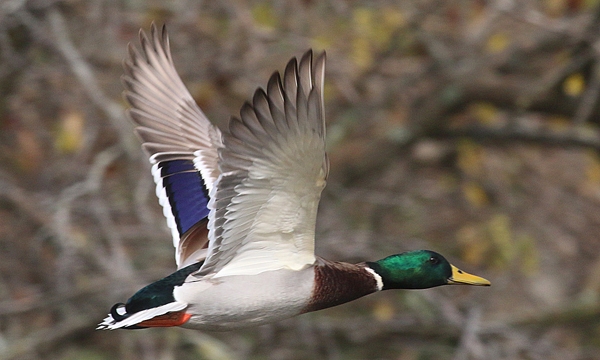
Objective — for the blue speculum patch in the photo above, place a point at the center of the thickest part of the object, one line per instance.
(186, 192)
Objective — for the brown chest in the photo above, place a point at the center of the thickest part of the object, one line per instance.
(337, 283)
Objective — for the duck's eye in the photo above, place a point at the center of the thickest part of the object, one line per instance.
(434, 260)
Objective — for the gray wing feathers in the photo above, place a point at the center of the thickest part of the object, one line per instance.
(170, 123)
(171, 127)
(273, 168)
(264, 178)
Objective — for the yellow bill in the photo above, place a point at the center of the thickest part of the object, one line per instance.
(460, 277)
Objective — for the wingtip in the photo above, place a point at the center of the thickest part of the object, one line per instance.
(308, 55)
(321, 58)
(164, 33)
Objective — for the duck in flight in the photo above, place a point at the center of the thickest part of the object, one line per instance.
(242, 205)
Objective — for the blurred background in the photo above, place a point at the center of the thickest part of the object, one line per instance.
(468, 127)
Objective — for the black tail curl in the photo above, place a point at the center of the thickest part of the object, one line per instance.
(115, 314)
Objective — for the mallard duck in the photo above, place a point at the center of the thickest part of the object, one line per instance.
(242, 205)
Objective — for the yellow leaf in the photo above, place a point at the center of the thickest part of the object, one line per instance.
(574, 84)
(204, 93)
(470, 157)
(384, 26)
(501, 234)
(474, 244)
(592, 170)
(373, 30)
(497, 43)
(361, 52)
(591, 183)
(383, 310)
(362, 19)
(555, 8)
(69, 136)
(475, 194)
(213, 25)
(559, 123)
(486, 113)
(393, 18)
(264, 15)
(530, 261)
(322, 41)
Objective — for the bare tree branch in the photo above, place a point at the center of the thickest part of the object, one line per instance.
(509, 134)
(84, 73)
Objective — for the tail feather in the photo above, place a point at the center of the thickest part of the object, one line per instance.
(117, 320)
(149, 302)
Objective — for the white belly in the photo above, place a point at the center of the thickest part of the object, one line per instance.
(240, 301)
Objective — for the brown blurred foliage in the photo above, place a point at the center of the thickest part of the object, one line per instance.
(466, 127)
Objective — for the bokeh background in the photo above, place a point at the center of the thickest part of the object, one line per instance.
(468, 127)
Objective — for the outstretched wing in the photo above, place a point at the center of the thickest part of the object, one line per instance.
(274, 167)
(180, 140)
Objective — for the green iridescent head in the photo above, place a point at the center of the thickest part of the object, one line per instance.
(421, 269)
